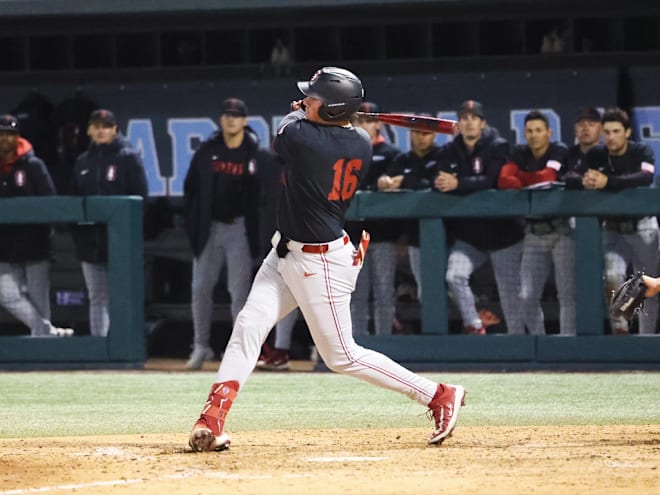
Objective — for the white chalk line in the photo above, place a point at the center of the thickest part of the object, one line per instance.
(347, 458)
(183, 475)
(118, 452)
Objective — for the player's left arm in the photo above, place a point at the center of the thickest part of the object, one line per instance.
(41, 179)
(556, 162)
(136, 176)
(644, 159)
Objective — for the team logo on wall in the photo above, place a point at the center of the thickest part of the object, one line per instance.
(477, 166)
(111, 173)
(19, 178)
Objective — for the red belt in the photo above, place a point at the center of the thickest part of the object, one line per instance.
(320, 248)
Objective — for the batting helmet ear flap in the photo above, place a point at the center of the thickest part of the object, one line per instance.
(340, 91)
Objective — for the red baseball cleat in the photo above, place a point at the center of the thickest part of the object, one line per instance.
(475, 331)
(277, 360)
(266, 350)
(204, 439)
(207, 434)
(444, 407)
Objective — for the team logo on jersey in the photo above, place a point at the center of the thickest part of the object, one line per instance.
(477, 166)
(252, 167)
(111, 173)
(19, 178)
(430, 164)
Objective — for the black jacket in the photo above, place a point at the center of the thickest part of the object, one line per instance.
(476, 171)
(27, 176)
(112, 169)
(198, 192)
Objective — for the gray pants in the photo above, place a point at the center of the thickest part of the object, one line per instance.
(37, 285)
(415, 257)
(227, 246)
(641, 250)
(284, 330)
(377, 276)
(540, 252)
(24, 292)
(464, 259)
(96, 280)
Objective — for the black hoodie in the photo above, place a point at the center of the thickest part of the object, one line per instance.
(26, 176)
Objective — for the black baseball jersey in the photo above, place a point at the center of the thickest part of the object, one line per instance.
(478, 170)
(26, 176)
(418, 173)
(634, 168)
(323, 166)
(555, 157)
(575, 158)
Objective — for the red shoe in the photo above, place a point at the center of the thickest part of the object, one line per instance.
(444, 407)
(207, 434)
(266, 350)
(488, 317)
(475, 331)
(278, 360)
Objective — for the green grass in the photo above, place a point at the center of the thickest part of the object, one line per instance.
(97, 403)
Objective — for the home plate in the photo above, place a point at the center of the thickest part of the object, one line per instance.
(344, 459)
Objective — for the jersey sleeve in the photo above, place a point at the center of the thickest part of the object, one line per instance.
(43, 183)
(137, 178)
(288, 126)
(643, 157)
(554, 164)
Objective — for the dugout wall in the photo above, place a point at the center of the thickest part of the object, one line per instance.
(125, 345)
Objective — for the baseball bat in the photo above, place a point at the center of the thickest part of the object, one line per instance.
(416, 122)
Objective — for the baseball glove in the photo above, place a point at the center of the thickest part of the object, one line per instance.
(629, 297)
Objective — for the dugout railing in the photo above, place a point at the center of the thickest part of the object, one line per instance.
(434, 348)
(591, 348)
(125, 345)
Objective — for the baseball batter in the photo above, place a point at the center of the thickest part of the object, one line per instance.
(313, 264)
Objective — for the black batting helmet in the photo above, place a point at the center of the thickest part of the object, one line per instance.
(340, 91)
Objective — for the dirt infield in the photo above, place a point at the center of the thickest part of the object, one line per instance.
(523, 460)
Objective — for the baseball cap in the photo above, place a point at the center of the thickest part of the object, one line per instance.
(471, 106)
(234, 106)
(587, 113)
(8, 123)
(368, 107)
(103, 116)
